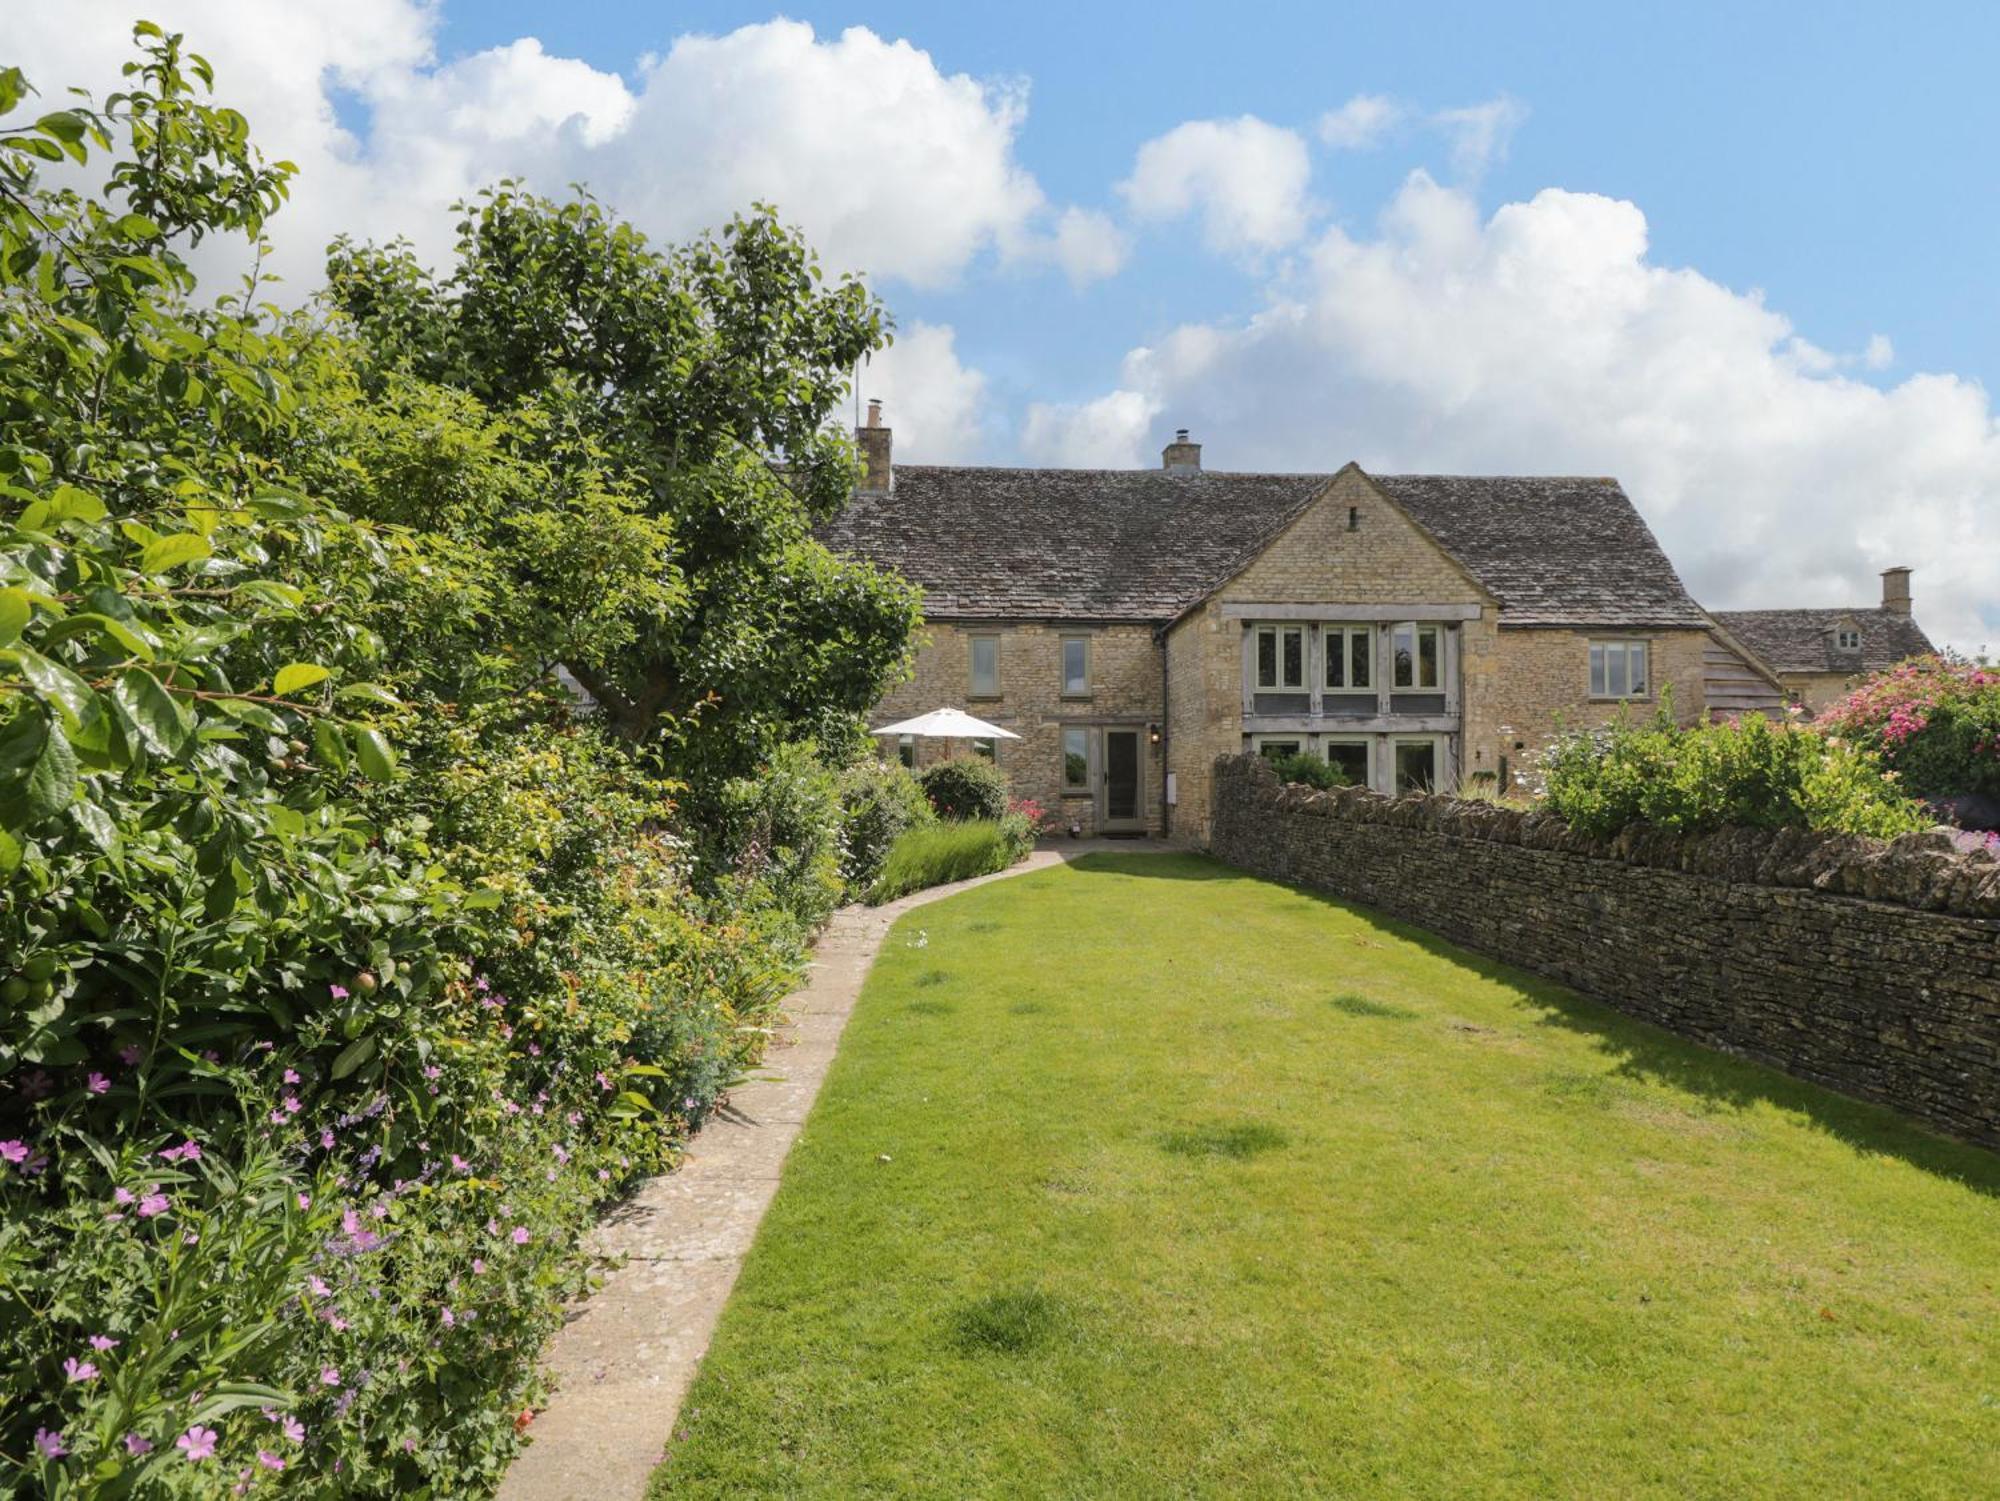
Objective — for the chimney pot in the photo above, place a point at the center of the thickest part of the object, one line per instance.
(1896, 590)
(1181, 456)
(877, 473)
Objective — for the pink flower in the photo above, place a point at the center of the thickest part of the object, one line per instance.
(450, 1319)
(129, 1055)
(153, 1202)
(121, 1196)
(50, 1442)
(14, 1150)
(478, 1265)
(137, 1444)
(187, 1151)
(319, 1287)
(459, 1164)
(79, 1370)
(338, 992)
(291, 1076)
(602, 1082)
(292, 1106)
(326, 1140)
(521, 1236)
(330, 1376)
(102, 1342)
(305, 1201)
(269, 1460)
(97, 1084)
(292, 1428)
(198, 1443)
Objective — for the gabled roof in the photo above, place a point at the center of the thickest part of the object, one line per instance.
(1146, 544)
(1803, 640)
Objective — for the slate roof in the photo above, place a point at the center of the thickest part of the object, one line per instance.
(1803, 640)
(1146, 544)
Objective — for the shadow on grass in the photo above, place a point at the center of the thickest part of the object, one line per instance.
(1638, 1049)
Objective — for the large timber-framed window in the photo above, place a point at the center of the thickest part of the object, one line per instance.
(1618, 670)
(1416, 656)
(1076, 759)
(1417, 763)
(1076, 667)
(1349, 654)
(985, 677)
(1349, 759)
(1280, 658)
(1277, 747)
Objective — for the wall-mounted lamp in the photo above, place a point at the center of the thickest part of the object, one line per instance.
(1153, 733)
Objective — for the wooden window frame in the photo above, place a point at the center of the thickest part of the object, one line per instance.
(972, 641)
(1069, 788)
(1417, 628)
(1062, 665)
(1278, 634)
(1601, 644)
(1339, 634)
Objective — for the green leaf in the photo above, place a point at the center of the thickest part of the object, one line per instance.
(63, 125)
(378, 761)
(223, 892)
(97, 825)
(329, 746)
(52, 781)
(482, 898)
(71, 504)
(173, 551)
(15, 613)
(297, 675)
(163, 723)
(10, 852)
(352, 1057)
(373, 693)
(71, 695)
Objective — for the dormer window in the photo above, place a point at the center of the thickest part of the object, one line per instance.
(1847, 638)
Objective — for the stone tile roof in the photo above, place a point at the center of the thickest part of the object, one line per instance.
(1144, 544)
(1803, 640)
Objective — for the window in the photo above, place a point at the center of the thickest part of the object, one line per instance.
(985, 666)
(1276, 747)
(1416, 655)
(1076, 666)
(1848, 638)
(986, 750)
(1281, 656)
(1349, 653)
(1349, 760)
(1416, 766)
(1618, 669)
(906, 750)
(1076, 760)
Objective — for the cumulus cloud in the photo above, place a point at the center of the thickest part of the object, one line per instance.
(1544, 339)
(1108, 433)
(936, 405)
(1480, 133)
(1087, 246)
(1245, 177)
(1359, 123)
(893, 166)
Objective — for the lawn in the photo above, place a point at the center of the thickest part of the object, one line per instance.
(1142, 1177)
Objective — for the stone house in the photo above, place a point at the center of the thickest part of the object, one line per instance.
(1817, 654)
(1417, 631)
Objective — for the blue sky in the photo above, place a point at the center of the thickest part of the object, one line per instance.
(1742, 257)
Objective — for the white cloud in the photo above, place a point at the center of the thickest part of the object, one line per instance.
(892, 166)
(1108, 433)
(1245, 177)
(1880, 353)
(1088, 246)
(1543, 339)
(1480, 133)
(935, 405)
(1359, 123)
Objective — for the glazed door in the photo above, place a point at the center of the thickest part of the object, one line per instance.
(1124, 787)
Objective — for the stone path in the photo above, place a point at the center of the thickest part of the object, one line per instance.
(625, 1359)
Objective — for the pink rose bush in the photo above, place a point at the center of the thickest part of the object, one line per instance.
(1934, 721)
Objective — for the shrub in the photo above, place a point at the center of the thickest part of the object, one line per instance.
(1934, 721)
(774, 838)
(1748, 774)
(965, 787)
(1306, 769)
(878, 801)
(936, 853)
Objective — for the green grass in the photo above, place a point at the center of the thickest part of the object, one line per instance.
(1209, 1187)
(934, 853)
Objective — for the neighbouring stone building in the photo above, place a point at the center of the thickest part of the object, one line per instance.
(1418, 631)
(1817, 654)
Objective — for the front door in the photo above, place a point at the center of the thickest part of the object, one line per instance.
(1123, 793)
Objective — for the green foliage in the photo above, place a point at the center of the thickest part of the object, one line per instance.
(1307, 769)
(955, 850)
(1934, 721)
(1749, 774)
(878, 800)
(965, 787)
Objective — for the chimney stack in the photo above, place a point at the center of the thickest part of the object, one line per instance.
(1896, 590)
(1181, 456)
(877, 475)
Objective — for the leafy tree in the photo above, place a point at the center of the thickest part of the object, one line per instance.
(696, 388)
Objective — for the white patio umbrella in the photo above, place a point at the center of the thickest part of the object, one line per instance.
(947, 724)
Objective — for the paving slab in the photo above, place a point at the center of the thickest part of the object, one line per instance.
(625, 1358)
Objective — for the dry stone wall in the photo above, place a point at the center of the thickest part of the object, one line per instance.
(1868, 966)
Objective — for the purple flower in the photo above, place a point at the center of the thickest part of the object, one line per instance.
(153, 1202)
(338, 992)
(79, 1370)
(305, 1201)
(137, 1444)
(122, 1196)
(198, 1443)
(292, 1428)
(269, 1460)
(450, 1318)
(291, 1076)
(326, 1140)
(102, 1342)
(50, 1442)
(97, 1084)
(319, 1287)
(187, 1151)
(459, 1164)
(478, 1265)
(432, 1071)
(14, 1150)
(521, 1236)
(292, 1106)
(129, 1055)
(330, 1376)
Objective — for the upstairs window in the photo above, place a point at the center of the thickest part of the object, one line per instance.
(1618, 669)
(1349, 659)
(1848, 639)
(1281, 657)
(985, 666)
(1076, 666)
(1417, 651)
